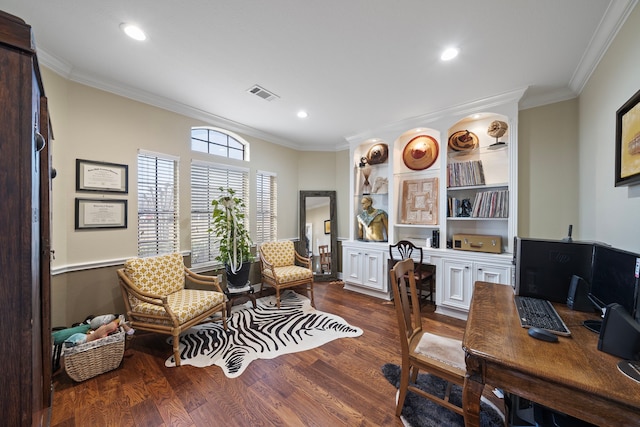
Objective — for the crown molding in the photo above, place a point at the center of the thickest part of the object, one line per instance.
(464, 109)
(613, 19)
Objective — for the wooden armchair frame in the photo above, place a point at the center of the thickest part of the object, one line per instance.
(271, 277)
(168, 324)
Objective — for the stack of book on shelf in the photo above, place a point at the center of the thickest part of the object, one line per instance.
(486, 204)
(491, 204)
(462, 174)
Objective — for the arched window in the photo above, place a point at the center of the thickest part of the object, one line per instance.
(219, 142)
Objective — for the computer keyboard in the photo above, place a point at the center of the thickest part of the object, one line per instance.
(539, 313)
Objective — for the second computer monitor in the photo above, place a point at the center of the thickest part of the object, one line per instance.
(613, 278)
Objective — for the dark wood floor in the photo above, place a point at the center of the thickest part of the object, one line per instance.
(337, 384)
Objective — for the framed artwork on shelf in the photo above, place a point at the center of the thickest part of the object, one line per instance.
(100, 213)
(327, 226)
(628, 142)
(101, 176)
(420, 201)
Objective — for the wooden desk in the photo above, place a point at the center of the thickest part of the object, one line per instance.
(571, 376)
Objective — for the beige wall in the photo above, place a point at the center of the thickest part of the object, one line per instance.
(607, 213)
(328, 171)
(548, 147)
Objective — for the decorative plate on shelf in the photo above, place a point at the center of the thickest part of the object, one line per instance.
(421, 152)
(377, 154)
(463, 140)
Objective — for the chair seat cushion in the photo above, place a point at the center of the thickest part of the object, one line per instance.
(446, 350)
(289, 273)
(185, 304)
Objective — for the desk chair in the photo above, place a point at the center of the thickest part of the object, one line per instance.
(440, 356)
(424, 275)
(325, 258)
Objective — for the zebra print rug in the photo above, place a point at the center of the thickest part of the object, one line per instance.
(261, 333)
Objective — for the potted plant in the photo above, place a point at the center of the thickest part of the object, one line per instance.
(235, 243)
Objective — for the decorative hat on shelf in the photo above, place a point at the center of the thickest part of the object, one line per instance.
(377, 154)
(420, 153)
(463, 140)
(497, 128)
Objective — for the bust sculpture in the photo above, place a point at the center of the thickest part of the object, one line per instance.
(372, 222)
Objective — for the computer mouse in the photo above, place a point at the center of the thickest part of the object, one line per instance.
(542, 334)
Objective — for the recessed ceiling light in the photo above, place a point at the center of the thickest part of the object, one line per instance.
(303, 114)
(133, 31)
(449, 54)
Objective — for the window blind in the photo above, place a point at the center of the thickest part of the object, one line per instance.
(206, 180)
(157, 204)
(266, 207)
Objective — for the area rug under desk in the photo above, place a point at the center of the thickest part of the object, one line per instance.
(261, 333)
(421, 412)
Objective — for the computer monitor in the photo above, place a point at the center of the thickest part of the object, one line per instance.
(614, 277)
(544, 267)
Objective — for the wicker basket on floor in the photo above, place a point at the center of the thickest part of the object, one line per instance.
(93, 358)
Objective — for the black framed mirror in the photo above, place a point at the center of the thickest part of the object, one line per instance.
(319, 233)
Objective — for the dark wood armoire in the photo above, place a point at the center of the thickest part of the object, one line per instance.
(25, 277)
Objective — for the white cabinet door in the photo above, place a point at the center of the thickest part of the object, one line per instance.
(492, 273)
(373, 270)
(353, 266)
(457, 288)
(458, 276)
(364, 270)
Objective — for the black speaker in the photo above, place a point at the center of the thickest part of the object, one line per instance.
(619, 334)
(435, 239)
(578, 296)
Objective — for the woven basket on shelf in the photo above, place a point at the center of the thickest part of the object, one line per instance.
(87, 360)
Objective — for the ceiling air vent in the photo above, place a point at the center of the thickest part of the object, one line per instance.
(262, 93)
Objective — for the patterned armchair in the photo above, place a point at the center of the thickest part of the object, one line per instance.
(156, 300)
(282, 267)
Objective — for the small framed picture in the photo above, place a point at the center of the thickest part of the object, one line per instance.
(628, 142)
(327, 227)
(101, 176)
(100, 213)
